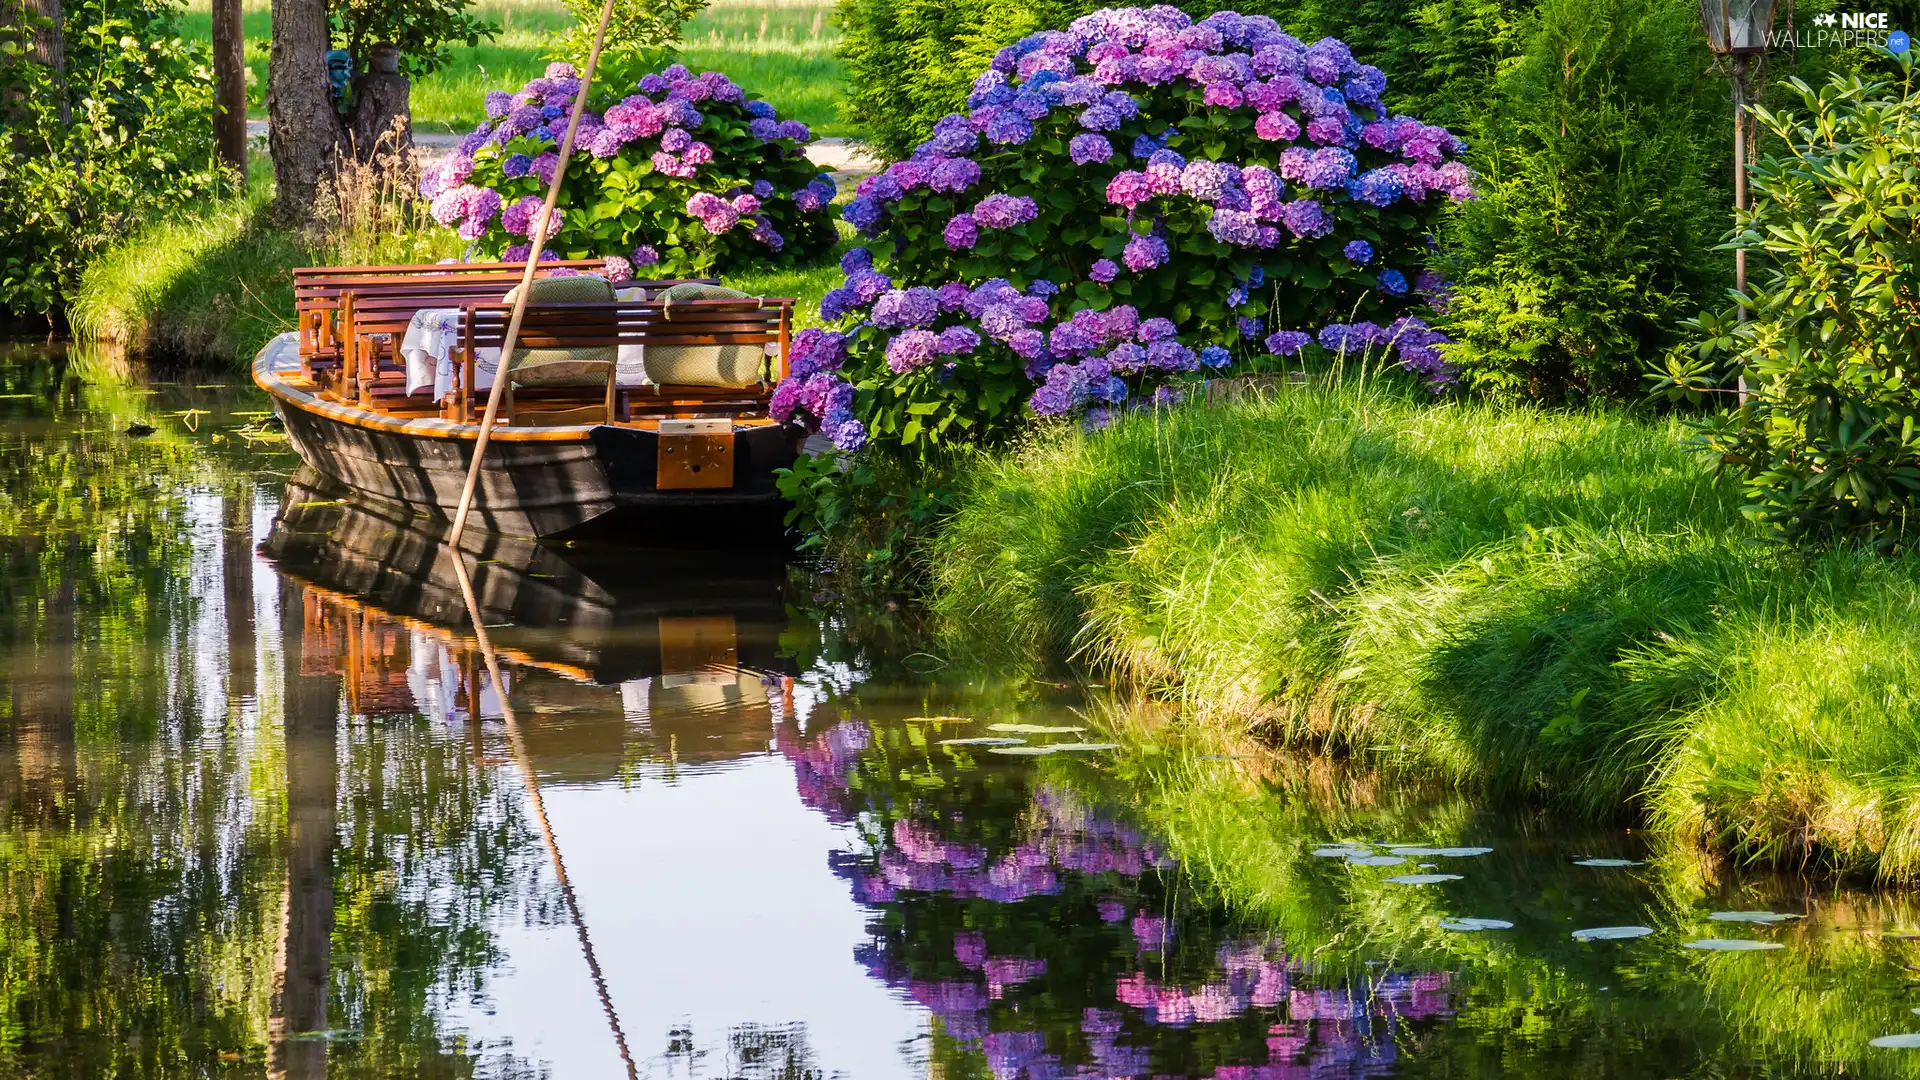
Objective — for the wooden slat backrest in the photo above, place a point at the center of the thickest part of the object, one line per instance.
(572, 326)
(389, 309)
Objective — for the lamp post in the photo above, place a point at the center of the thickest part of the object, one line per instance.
(1737, 30)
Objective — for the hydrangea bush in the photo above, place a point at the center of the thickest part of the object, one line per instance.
(1137, 201)
(685, 176)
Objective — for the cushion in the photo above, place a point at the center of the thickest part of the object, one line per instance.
(565, 367)
(731, 367)
(693, 290)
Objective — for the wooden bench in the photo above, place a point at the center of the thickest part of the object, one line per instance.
(373, 322)
(317, 291)
(752, 323)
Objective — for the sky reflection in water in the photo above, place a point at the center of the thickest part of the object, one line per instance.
(265, 815)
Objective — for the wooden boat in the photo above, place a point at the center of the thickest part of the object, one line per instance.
(560, 456)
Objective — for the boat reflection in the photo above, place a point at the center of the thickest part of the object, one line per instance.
(617, 657)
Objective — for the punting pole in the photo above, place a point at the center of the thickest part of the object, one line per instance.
(524, 760)
(539, 243)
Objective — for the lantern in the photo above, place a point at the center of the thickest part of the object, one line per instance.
(1737, 27)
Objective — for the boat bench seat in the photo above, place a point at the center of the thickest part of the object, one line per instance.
(373, 322)
(726, 354)
(318, 291)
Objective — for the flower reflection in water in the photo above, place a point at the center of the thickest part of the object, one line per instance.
(1054, 941)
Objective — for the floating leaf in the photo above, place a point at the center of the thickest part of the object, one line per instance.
(1342, 852)
(1608, 863)
(1447, 852)
(1423, 879)
(1022, 751)
(1035, 729)
(1611, 933)
(1731, 945)
(1064, 746)
(1908, 1041)
(981, 741)
(1752, 916)
(1420, 851)
(1471, 925)
(939, 719)
(1376, 860)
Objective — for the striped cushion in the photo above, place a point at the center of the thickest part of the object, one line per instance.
(731, 367)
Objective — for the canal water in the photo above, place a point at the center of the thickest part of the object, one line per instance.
(272, 806)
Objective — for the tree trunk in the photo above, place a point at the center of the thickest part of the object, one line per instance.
(43, 721)
(50, 49)
(305, 956)
(237, 593)
(303, 131)
(230, 86)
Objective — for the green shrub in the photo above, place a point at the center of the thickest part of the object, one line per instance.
(125, 133)
(1828, 439)
(1597, 170)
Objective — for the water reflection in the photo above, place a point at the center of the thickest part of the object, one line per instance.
(265, 814)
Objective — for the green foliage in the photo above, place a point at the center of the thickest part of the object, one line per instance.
(635, 30)
(125, 133)
(870, 514)
(424, 31)
(1825, 441)
(1561, 606)
(1597, 171)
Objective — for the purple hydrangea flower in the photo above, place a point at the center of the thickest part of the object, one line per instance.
(954, 174)
(1144, 253)
(1286, 342)
(962, 232)
(958, 339)
(863, 213)
(916, 306)
(1005, 211)
(1214, 356)
(912, 349)
(1358, 251)
(1393, 282)
(1103, 271)
(1089, 148)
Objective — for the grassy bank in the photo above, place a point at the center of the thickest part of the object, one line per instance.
(782, 50)
(1560, 607)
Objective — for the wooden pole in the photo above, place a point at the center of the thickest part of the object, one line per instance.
(539, 241)
(518, 744)
(230, 87)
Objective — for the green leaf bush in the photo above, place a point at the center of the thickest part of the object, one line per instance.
(1827, 437)
(685, 176)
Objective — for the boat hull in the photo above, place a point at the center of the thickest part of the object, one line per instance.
(534, 482)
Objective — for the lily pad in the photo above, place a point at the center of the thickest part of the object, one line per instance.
(1608, 863)
(1732, 945)
(1423, 879)
(939, 720)
(982, 741)
(1376, 860)
(1444, 852)
(1064, 746)
(1611, 933)
(1022, 751)
(1035, 729)
(1338, 852)
(1907, 1041)
(1752, 916)
(1415, 850)
(1472, 925)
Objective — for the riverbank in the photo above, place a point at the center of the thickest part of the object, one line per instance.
(1557, 607)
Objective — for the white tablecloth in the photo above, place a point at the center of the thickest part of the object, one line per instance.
(434, 334)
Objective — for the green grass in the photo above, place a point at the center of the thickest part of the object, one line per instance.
(781, 50)
(214, 282)
(1550, 606)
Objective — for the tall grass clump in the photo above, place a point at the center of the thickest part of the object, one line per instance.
(1558, 606)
